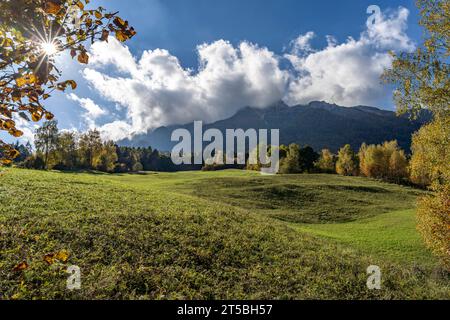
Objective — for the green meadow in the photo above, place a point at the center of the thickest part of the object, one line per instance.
(211, 235)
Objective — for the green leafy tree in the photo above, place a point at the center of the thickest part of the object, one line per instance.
(66, 151)
(138, 167)
(31, 33)
(90, 147)
(290, 164)
(46, 140)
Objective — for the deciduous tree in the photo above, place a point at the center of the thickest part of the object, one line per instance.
(31, 32)
(46, 140)
(422, 80)
(347, 163)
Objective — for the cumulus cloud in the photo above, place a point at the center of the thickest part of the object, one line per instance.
(349, 73)
(116, 130)
(302, 44)
(156, 90)
(92, 110)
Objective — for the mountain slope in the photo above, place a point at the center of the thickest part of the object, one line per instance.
(318, 124)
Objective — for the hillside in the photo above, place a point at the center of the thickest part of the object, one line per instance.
(197, 235)
(318, 124)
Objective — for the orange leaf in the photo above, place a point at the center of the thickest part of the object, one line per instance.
(21, 266)
(52, 7)
(73, 53)
(83, 58)
(105, 35)
(49, 258)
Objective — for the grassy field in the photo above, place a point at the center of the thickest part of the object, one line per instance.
(215, 235)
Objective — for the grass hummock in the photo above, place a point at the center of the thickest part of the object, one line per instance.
(211, 235)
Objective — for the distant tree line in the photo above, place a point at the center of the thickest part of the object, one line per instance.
(68, 151)
(385, 162)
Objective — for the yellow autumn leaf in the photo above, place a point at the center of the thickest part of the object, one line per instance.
(36, 116)
(120, 23)
(49, 116)
(62, 256)
(16, 133)
(72, 83)
(21, 82)
(14, 154)
(26, 79)
(121, 36)
(80, 5)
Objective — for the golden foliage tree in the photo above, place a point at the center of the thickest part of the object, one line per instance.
(434, 222)
(326, 162)
(386, 161)
(422, 82)
(347, 163)
(430, 162)
(31, 32)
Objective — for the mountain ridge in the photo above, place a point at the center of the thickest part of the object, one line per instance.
(317, 124)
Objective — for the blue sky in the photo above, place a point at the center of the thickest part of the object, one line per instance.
(180, 26)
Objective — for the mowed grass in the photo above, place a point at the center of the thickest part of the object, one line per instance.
(195, 235)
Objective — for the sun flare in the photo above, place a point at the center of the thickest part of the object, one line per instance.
(49, 48)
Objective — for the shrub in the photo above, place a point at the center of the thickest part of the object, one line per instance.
(138, 167)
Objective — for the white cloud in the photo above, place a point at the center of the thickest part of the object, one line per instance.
(27, 127)
(156, 90)
(302, 45)
(115, 131)
(92, 110)
(349, 73)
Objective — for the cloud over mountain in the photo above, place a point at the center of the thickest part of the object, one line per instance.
(156, 90)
